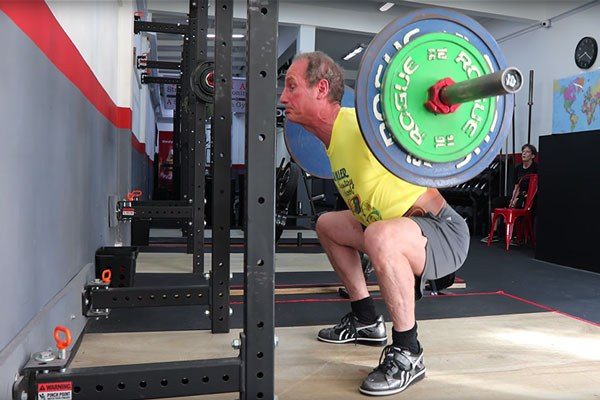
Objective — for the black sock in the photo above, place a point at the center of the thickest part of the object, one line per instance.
(364, 310)
(407, 339)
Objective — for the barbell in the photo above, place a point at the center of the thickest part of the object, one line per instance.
(433, 98)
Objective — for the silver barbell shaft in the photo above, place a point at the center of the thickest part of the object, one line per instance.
(503, 82)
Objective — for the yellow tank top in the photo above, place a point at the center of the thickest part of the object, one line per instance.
(371, 192)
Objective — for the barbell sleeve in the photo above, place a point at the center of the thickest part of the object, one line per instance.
(506, 81)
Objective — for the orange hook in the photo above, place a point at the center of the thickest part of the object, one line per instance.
(131, 196)
(106, 276)
(62, 344)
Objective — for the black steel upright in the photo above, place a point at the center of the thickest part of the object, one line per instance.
(197, 135)
(177, 144)
(185, 119)
(259, 257)
(221, 167)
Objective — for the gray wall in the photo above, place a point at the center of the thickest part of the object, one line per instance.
(142, 174)
(60, 161)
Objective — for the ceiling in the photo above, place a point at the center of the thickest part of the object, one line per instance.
(329, 38)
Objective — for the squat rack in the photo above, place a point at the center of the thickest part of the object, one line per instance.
(251, 373)
(190, 116)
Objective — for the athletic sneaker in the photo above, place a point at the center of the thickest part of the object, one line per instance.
(351, 330)
(397, 369)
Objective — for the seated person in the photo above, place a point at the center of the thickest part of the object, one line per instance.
(517, 199)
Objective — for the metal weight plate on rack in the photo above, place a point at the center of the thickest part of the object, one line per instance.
(306, 150)
(202, 81)
(447, 169)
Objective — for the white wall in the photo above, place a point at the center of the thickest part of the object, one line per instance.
(143, 119)
(549, 52)
(102, 31)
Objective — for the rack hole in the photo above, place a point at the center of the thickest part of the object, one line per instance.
(225, 378)
(260, 375)
(264, 11)
(261, 200)
(259, 395)
(164, 382)
(114, 299)
(205, 379)
(185, 381)
(260, 324)
(259, 354)
(263, 74)
(121, 386)
(99, 388)
(126, 298)
(139, 297)
(260, 262)
(143, 384)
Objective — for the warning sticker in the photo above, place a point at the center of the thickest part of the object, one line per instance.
(55, 391)
(128, 212)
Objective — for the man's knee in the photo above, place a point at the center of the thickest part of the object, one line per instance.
(384, 240)
(326, 224)
(380, 239)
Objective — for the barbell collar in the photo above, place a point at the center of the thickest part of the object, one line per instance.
(506, 81)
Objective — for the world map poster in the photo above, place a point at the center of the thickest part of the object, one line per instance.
(576, 103)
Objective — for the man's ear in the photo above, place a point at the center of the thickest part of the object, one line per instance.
(322, 88)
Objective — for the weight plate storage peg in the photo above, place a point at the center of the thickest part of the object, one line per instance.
(202, 81)
(431, 97)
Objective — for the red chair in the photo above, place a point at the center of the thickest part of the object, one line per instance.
(511, 215)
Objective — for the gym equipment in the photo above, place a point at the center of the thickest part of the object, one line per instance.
(306, 149)
(202, 81)
(251, 372)
(287, 183)
(430, 97)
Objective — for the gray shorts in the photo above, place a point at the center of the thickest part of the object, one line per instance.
(447, 245)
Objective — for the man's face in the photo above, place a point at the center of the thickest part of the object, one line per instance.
(297, 97)
(526, 154)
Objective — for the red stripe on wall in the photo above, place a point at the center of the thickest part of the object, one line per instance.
(36, 20)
